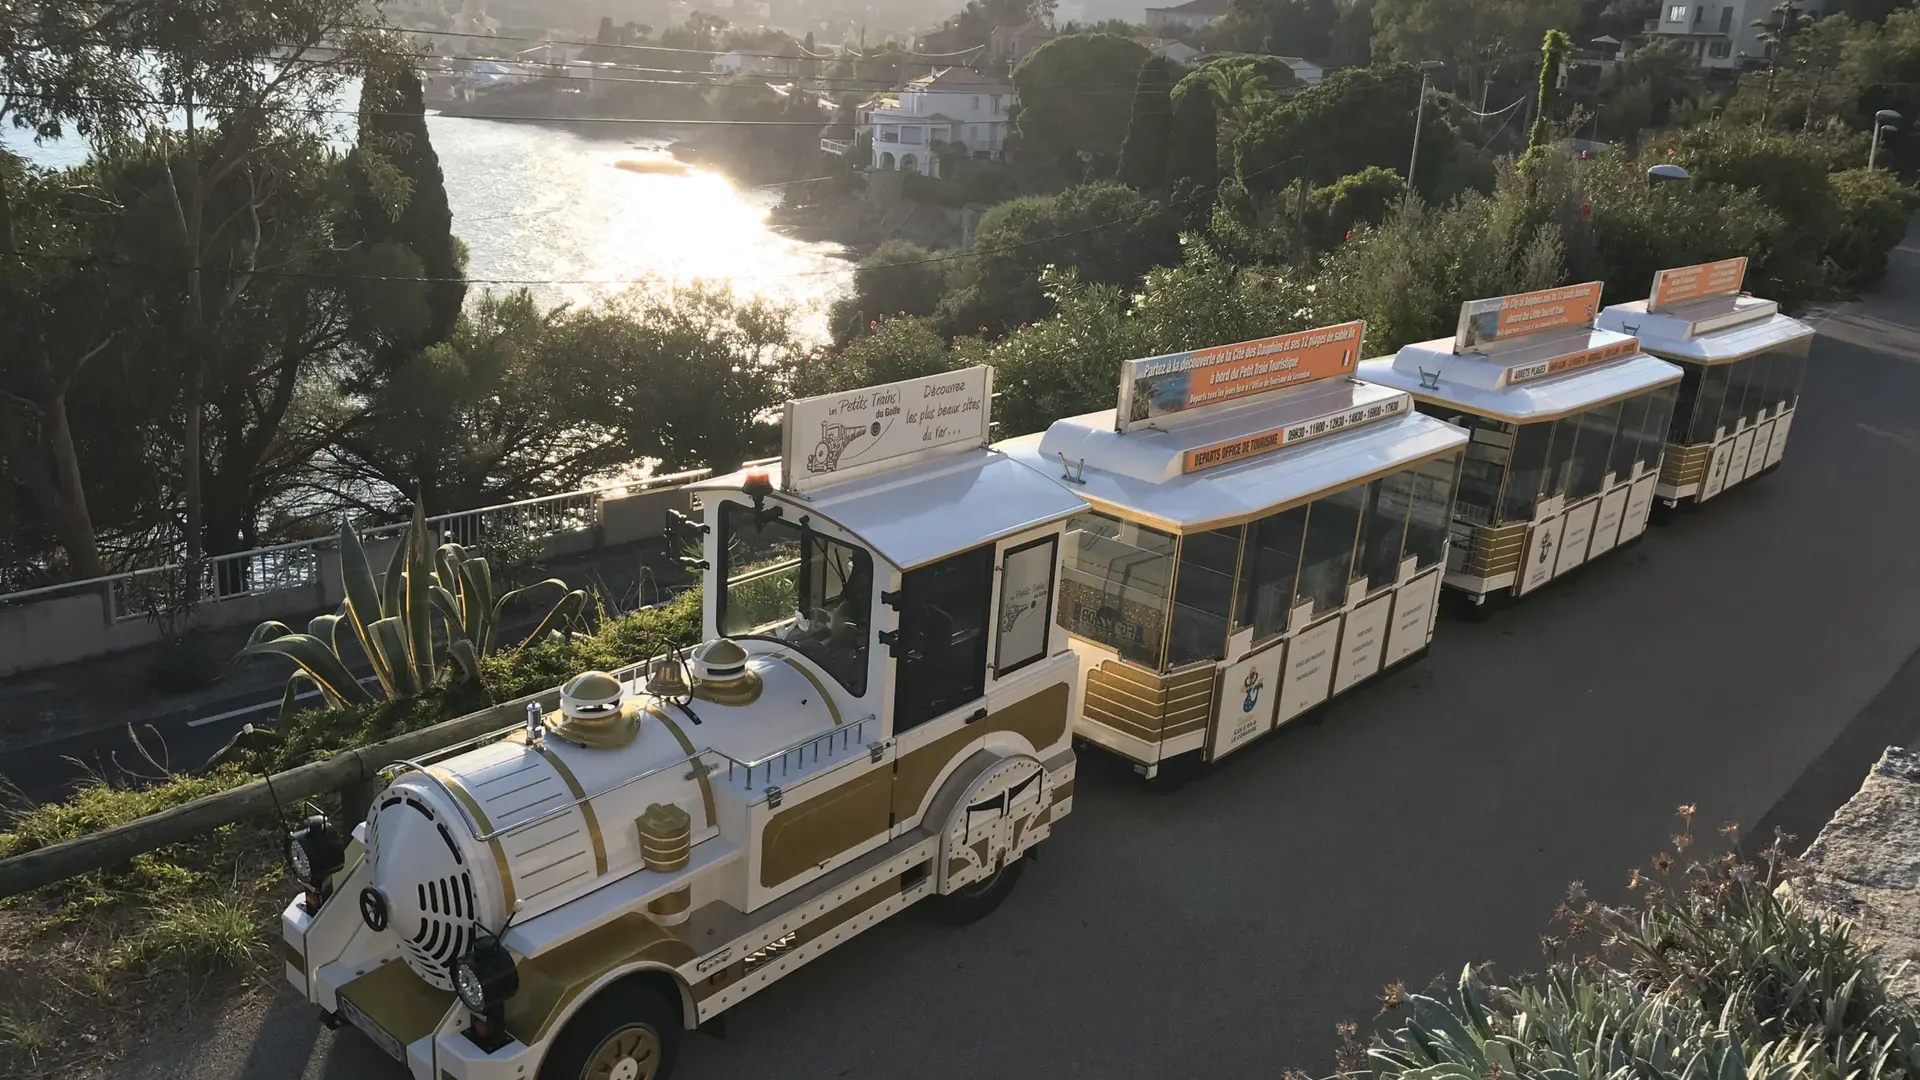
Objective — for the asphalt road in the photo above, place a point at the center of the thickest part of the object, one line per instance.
(1752, 658)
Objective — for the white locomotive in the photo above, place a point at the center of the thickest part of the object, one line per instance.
(882, 713)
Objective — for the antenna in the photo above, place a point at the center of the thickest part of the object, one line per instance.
(1429, 380)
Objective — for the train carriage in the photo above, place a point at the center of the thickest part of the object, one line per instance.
(1265, 532)
(1743, 362)
(1567, 426)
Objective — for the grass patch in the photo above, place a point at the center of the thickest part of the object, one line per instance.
(91, 960)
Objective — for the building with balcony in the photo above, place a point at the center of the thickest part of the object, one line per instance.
(1719, 35)
(955, 109)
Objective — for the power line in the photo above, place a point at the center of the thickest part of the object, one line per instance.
(315, 111)
(853, 269)
(667, 48)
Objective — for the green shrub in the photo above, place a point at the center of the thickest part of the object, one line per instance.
(1873, 208)
(1715, 974)
(197, 936)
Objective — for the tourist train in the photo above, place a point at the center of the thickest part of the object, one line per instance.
(909, 627)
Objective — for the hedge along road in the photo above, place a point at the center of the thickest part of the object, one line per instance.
(1733, 660)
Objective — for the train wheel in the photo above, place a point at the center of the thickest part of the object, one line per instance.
(971, 903)
(629, 1032)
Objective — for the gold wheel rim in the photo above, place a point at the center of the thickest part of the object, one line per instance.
(630, 1053)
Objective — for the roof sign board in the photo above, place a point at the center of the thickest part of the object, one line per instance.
(1560, 365)
(1233, 450)
(1504, 318)
(1160, 386)
(1685, 284)
(839, 436)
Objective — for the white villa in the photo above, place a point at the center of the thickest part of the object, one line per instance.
(956, 106)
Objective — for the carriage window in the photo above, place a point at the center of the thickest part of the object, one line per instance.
(1432, 508)
(1762, 392)
(1332, 525)
(1268, 573)
(1383, 529)
(1559, 467)
(1114, 587)
(799, 587)
(1485, 466)
(1523, 476)
(1598, 427)
(1658, 422)
(1026, 595)
(1739, 376)
(942, 645)
(1706, 416)
(1626, 445)
(1688, 403)
(1203, 596)
(1794, 364)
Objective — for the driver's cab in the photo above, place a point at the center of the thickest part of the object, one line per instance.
(905, 572)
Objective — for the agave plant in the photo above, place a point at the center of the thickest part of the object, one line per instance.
(394, 620)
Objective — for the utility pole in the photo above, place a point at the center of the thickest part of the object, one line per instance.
(1427, 68)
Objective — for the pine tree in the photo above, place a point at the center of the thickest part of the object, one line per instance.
(1143, 157)
(401, 194)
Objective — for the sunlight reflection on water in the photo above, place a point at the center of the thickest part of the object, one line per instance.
(553, 204)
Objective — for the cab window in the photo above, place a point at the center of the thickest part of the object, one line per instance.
(942, 642)
(788, 583)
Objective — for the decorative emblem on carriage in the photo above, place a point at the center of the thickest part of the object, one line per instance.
(1546, 547)
(1011, 614)
(834, 440)
(1252, 685)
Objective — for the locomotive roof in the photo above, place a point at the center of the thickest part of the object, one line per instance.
(917, 513)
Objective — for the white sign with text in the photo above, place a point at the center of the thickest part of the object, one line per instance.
(840, 436)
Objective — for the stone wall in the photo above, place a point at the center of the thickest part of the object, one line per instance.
(1866, 865)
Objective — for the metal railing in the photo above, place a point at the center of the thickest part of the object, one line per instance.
(784, 763)
(143, 593)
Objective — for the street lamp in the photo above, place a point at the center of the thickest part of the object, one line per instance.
(1427, 68)
(1885, 120)
(1660, 173)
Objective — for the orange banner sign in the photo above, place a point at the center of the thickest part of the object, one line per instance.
(1163, 385)
(1560, 365)
(1503, 318)
(1226, 453)
(1685, 284)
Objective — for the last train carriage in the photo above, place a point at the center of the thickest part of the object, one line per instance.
(1568, 423)
(1743, 361)
(1265, 533)
(880, 715)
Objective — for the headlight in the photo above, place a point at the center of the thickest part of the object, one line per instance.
(316, 852)
(485, 978)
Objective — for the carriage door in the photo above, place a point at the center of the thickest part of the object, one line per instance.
(940, 670)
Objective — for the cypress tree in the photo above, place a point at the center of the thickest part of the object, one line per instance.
(1553, 52)
(393, 125)
(1193, 146)
(1143, 157)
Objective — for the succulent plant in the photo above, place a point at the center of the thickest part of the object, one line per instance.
(393, 618)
